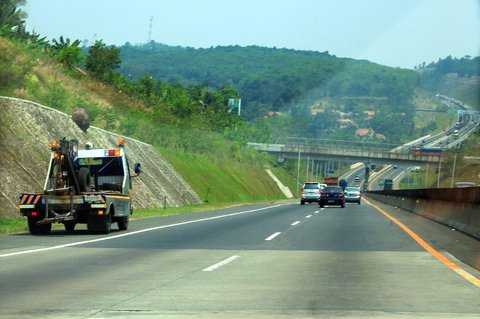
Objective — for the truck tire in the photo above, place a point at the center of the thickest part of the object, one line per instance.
(122, 223)
(99, 224)
(69, 226)
(84, 179)
(36, 229)
(107, 224)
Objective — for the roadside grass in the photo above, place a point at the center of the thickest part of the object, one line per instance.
(13, 225)
(223, 180)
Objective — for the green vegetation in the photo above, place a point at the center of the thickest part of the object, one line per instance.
(457, 78)
(190, 124)
(290, 83)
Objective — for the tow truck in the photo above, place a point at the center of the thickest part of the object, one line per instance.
(90, 186)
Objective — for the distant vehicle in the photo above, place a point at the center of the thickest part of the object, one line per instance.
(332, 195)
(395, 166)
(353, 195)
(464, 184)
(357, 179)
(456, 133)
(380, 182)
(331, 181)
(427, 151)
(388, 184)
(311, 192)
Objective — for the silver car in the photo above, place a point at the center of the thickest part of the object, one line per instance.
(311, 192)
(353, 195)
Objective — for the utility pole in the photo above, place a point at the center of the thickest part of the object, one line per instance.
(439, 171)
(453, 173)
(150, 30)
(298, 169)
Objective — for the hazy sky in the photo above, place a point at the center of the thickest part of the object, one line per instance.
(399, 33)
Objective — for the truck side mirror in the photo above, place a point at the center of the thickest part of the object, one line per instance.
(137, 168)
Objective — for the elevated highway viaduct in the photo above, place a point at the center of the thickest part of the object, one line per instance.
(342, 154)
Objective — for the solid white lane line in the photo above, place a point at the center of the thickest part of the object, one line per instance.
(273, 236)
(222, 263)
(308, 216)
(296, 223)
(133, 233)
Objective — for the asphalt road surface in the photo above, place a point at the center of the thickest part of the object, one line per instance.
(278, 261)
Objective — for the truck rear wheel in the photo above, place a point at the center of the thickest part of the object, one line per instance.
(69, 226)
(122, 223)
(35, 229)
(100, 224)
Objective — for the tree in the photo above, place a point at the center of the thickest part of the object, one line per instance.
(10, 15)
(102, 61)
(69, 54)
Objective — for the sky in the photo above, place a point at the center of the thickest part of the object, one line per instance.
(397, 33)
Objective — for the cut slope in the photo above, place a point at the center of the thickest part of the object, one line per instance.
(26, 129)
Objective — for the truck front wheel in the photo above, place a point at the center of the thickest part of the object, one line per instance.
(36, 229)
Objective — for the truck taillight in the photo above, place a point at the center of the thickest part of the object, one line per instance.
(114, 152)
(302, 191)
(34, 214)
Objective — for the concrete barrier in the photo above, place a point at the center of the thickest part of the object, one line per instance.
(458, 208)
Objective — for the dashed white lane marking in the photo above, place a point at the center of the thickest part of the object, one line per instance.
(317, 212)
(322, 208)
(272, 236)
(296, 223)
(222, 263)
(308, 216)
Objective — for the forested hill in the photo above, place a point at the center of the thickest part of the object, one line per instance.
(270, 79)
(458, 78)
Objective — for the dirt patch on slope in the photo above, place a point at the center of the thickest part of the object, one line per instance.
(26, 129)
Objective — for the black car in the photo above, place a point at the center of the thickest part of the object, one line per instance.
(332, 195)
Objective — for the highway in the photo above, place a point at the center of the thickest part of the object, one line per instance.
(274, 261)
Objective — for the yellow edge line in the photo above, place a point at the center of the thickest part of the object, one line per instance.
(444, 260)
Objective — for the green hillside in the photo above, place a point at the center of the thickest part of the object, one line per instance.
(270, 79)
(457, 78)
